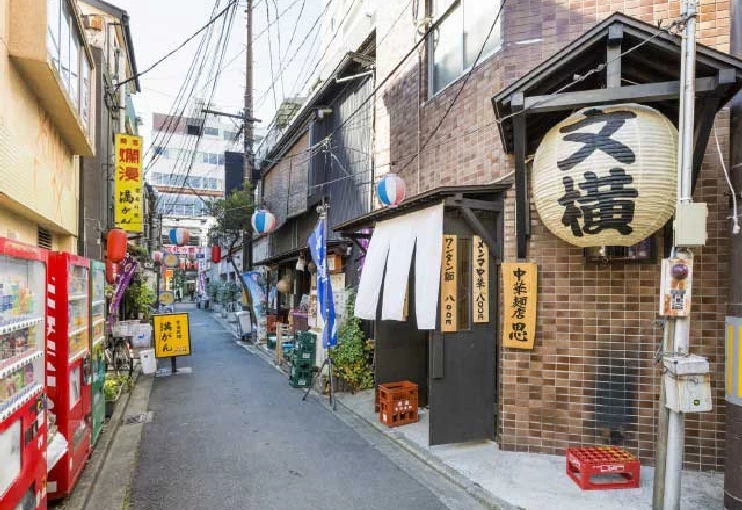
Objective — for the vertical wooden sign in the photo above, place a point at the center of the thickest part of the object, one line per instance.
(449, 279)
(519, 299)
(480, 280)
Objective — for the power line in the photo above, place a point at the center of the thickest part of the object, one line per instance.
(270, 55)
(280, 50)
(172, 52)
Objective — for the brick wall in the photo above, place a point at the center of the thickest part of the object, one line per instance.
(591, 378)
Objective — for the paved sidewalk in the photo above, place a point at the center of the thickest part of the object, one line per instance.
(526, 480)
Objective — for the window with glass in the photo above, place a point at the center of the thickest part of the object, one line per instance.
(211, 131)
(66, 49)
(460, 33)
(229, 135)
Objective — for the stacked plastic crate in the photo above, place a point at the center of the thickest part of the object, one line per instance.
(302, 360)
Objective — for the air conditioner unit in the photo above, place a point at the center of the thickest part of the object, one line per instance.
(93, 22)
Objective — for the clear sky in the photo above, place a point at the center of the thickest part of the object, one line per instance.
(158, 26)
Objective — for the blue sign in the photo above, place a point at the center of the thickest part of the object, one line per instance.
(324, 288)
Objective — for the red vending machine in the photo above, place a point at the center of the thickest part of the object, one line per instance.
(68, 367)
(23, 425)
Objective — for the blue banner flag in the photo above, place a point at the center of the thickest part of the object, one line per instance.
(257, 296)
(324, 288)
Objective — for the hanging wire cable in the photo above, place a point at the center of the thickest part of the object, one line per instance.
(272, 88)
(179, 47)
(280, 50)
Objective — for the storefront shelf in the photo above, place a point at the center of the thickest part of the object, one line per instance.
(18, 325)
(19, 400)
(14, 364)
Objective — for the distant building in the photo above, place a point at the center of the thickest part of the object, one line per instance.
(187, 169)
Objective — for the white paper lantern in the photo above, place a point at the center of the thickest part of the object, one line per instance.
(607, 175)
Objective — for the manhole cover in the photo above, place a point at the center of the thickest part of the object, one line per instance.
(138, 418)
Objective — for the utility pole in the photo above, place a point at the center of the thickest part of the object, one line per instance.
(681, 333)
(733, 436)
(247, 134)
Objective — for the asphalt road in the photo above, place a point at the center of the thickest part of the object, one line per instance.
(234, 435)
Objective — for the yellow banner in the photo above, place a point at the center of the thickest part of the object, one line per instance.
(127, 199)
(449, 278)
(172, 335)
(519, 299)
(480, 280)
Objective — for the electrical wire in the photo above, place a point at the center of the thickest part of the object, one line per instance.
(179, 47)
(280, 50)
(735, 216)
(272, 88)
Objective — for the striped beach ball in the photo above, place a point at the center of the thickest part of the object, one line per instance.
(263, 222)
(390, 190)
(179, 236)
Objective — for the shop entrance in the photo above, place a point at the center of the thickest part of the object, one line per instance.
(456, 369)
(462, 370)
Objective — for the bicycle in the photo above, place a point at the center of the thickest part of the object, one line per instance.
(118, 355)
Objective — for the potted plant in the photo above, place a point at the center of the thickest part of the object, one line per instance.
(349, 357)
(112, 390)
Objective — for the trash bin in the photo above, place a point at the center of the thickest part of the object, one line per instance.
(149, 362)
(244, 324)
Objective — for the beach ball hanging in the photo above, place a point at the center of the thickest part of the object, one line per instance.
(607, 175)
(179, 236)
(263, 222)
(390, 190)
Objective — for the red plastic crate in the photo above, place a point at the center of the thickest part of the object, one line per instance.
(398, 403)
(618, 468)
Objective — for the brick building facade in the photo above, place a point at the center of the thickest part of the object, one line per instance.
(597, 324)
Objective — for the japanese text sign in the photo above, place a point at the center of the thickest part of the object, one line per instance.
(519, 300)
(606, 176)
(172, 335)
(449, 278)
(480, 280)
(127, 200)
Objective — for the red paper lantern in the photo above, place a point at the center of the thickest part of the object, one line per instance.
(216, 254)
(112, 270)
(116, 245)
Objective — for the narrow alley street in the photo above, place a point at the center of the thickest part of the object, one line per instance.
(234, 434)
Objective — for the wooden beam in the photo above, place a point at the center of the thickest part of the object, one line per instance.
(482, 205)
(644, 93)
(613, 56)
(479, 229)
(522, 209)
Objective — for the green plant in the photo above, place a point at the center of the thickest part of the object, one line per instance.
(349, 357)
(138, 298)
(111, 389)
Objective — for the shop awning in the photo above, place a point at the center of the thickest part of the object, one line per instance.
(293, 254)
(416, 225)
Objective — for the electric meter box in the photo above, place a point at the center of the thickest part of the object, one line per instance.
(689, 227)
(687, 384)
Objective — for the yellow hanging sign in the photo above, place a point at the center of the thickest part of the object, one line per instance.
(480, 280)
(127, 199)
(449, 278)
(172, 335)
(519, 300)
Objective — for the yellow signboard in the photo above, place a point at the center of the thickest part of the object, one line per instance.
(480, 280)
(519, 300)
(128, 205)
(172, 335)
(449, 277)
(166, 298)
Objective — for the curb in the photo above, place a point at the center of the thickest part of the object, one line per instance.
(475, 490)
